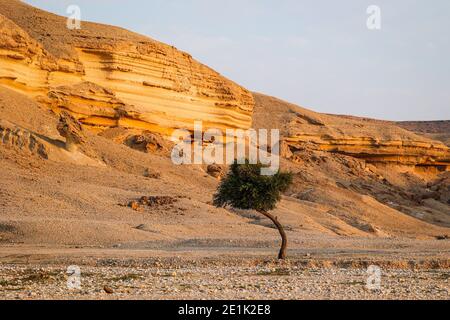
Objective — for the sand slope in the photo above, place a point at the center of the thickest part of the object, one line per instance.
(354, 178)
(65, 201)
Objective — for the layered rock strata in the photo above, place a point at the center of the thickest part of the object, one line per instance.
(109, 77)
(377, 142)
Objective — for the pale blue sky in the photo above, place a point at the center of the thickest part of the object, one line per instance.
(315, 53)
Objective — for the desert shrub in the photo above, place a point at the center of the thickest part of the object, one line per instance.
(245, 188)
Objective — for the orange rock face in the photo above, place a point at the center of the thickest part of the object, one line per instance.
(108, 77)
(377, 142)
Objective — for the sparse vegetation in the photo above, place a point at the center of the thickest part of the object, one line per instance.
(245, 188)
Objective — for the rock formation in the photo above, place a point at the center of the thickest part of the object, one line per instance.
(69, 128)
(107, 77)
(215, 171)
(20, 139)
(436, 130)
(138, 82)
(377, 142)
(123, 93)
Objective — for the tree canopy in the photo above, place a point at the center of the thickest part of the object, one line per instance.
(245, 188)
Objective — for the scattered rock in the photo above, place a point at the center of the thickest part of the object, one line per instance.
(343, 185)
(151, 174)
(152, 202)
(157, 201)
(215, 171)
(431, 195)
(285, 150)
(108, 290)
(134, 205)
(307, 195)
(149, 142)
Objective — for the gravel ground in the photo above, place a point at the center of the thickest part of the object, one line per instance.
(213, 282)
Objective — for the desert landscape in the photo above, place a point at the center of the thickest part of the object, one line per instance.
(86, 179)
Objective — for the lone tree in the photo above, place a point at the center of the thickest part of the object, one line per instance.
(245, 188)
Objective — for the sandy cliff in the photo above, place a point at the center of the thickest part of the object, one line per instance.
(54, 197)
(353, 177)
(108, 77)
(436, 130)
(378, 142)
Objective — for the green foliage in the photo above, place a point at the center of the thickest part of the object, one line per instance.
(245, 188)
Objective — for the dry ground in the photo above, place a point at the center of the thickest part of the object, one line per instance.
(220, 273)
(73, 209)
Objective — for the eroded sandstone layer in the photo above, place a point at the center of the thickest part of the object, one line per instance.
(436, 130)
(377, 142)
(110, 77)
(20, 139)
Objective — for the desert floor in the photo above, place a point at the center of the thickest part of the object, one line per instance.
(74, 210)
(205, 272)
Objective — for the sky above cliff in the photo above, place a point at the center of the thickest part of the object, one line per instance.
(319, 54)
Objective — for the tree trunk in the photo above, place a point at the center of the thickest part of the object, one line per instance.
(282, 254)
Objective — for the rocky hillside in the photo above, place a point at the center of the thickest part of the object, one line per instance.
(377, 142)
(116, 95)
(437, 130)
(101, 195)
(108, 77)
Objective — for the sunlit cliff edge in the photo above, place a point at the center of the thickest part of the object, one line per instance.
(108, 77)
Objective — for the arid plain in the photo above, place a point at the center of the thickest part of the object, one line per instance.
(86, 179)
